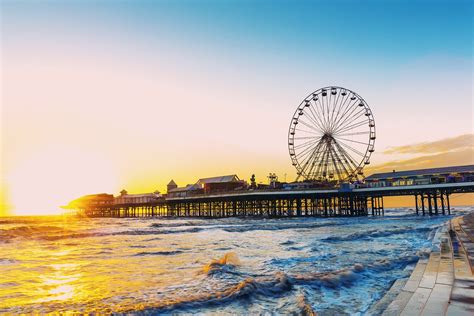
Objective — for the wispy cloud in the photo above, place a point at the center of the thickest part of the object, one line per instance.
(439, 146)
(451, 158)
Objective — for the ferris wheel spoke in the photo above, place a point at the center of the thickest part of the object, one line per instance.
(323, 117)
(348, 111)
(316, 157)
(305, 144)
(303, 153)
(304, 157)
(339, 102)
(307, 125)
(316, 115)
(333, 106)
(346, 173)
(308, 158)
(325, 161)
(353, 141)
(350, 118)
(313, 121)
(354, 134)
(351, 127)
(358, 152)
(306, 131)
(326, 164)
(340, 167)
(341, 106)
(320, 162)
(334, 165)
(329, 104)
(305, 137)
(351, 163)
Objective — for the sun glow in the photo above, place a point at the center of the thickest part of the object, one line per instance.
(47, 179)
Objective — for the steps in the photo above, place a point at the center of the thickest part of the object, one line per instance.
(444, 283)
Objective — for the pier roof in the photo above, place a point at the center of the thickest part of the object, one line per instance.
(220, 179)
(421, 172)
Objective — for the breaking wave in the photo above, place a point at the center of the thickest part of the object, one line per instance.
(268, 286)
(305, 309)
(230, 259)
(375, 233)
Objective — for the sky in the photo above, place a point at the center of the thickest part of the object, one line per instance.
(98, 96)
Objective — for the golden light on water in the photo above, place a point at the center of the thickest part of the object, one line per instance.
(58, 284)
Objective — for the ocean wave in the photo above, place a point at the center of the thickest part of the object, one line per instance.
(190, 223)
(332, 279)
(158, 253)
(156, 232)
(50, 233)
(375, 233)
(278, 226)
(267, 286)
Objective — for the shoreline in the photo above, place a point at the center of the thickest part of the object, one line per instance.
(443, 283)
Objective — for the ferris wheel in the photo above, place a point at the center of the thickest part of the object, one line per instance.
(331, 136)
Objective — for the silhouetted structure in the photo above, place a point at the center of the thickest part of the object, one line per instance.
(347, 200)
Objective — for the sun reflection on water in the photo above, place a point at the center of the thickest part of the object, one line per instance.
(59, 284)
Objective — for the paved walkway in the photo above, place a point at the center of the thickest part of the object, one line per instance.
(444, 283)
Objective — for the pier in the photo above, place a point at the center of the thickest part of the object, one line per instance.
(430, 199)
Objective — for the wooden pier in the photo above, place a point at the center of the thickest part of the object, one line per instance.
(432, 199)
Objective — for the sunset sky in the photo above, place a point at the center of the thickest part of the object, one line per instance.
(97, 96)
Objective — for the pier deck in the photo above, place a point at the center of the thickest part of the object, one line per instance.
(430, 199)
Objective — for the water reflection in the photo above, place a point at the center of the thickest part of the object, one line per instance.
(59, 284)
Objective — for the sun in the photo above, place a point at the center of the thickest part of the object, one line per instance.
(49, 178)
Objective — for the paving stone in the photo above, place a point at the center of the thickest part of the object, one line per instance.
(417, 302)
(438, 301)
(397, 306)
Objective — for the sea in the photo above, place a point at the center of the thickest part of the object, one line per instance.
(328, 266)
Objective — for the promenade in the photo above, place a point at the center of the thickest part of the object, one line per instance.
(443, 284)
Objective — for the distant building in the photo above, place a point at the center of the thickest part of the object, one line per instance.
(221, 184)
(91, 201)
(125, 198)
(422, 176)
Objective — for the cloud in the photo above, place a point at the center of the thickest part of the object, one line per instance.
(463, 156)
(439, 146)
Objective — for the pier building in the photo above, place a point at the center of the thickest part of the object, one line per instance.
(422, 176)
(221, 184)
(188, 190)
